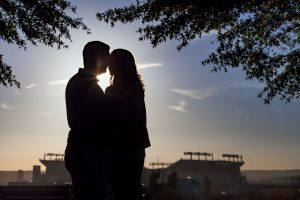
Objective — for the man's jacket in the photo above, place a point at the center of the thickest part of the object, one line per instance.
(88, 110)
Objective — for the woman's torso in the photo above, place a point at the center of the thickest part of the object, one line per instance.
(130, 131)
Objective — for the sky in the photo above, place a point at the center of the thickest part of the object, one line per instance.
(188, 107)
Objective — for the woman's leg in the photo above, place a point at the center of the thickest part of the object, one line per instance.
(126, 172)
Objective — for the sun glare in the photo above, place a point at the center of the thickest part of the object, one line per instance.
(104, 80)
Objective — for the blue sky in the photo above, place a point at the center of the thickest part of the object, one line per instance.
(189, 108)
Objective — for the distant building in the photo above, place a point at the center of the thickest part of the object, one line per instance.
(36, 173)
(20, 175)
(223, 176)
(56, 172)
(189, 188)
(206, 173)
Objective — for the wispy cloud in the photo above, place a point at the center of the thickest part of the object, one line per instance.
(6, 106)
(50, 83)
(149, 65)
(58, 82)
(180, 108)
(243, 84)
(41, 113)
(30, 86)
(201, 94)
(195, 94)
(105, 76)
(17, 92)
(238, 111)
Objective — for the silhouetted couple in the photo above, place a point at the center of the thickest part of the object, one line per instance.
(108, 136)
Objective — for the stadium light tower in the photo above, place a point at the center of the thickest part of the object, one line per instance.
(162, 165)
(197, 154)
(189, 154)
(235, 157)
(205, 154)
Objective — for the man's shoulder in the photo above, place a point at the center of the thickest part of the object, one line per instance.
(77, 82)
(73, 80)
(83, 83)
(80, 79)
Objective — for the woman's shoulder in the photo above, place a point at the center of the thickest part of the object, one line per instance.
(113, 91)
(136, 91)
(110, 90)
(127, 91)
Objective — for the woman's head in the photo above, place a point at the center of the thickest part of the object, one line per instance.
(123, 69)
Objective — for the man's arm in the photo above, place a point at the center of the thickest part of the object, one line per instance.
(109, 107)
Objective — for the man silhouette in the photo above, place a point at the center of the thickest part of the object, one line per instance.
(87, 153)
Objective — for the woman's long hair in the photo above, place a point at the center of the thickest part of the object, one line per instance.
(125, 72)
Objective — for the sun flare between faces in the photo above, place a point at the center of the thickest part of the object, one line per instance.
(104, 80)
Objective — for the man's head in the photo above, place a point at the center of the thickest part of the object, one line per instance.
(96, 57)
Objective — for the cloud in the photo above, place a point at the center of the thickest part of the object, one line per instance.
(149, 65)
(50, 83)
(5, 106)
(17, 92)
(244, 84)
(32, 85)
(104, 76)
(58, 82)
(42, 113)
(238, 111)
(196, 94)
(201, 94)
(180, 108)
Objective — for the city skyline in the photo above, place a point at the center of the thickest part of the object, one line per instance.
(188, 107)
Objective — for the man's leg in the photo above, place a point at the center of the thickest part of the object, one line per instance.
(89, 169)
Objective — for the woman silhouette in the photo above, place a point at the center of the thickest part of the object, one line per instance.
(130, 135)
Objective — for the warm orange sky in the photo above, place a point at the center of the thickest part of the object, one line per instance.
(189, 109)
